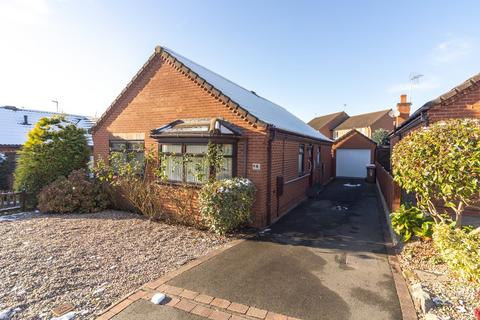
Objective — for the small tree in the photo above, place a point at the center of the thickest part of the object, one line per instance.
(441, 165)
(380, 136)
(55, 147)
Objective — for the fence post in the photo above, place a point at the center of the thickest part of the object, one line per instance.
(23, 197)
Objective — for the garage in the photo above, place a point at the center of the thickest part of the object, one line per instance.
(352, 162)
(353, 152)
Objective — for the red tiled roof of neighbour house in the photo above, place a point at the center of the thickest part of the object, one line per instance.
(330, 120)
(351, 132)
(452, 93)
(362, 120)
(255, 110)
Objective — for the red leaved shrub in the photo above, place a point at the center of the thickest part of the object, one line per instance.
(76, 193)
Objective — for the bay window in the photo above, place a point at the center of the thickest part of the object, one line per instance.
(185, 162)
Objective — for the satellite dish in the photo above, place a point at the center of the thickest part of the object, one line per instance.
(393, 113)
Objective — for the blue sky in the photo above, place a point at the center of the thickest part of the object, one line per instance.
(311, 57)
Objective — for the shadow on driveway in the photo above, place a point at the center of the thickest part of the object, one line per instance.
(324, 260)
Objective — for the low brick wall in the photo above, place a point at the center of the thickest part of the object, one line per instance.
(390, 190)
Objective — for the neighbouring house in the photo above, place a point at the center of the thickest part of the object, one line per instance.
(336, 125)
(327, 123)
(176, 106)
(463, 101)
(365, 123)
(15, 123)
(353, 149)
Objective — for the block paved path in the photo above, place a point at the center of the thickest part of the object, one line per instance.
(324, 260)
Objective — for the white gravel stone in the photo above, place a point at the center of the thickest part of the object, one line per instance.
(5, 314)
(431, 316)
(158, 298)
(422, 299)
(66, 316)
(142, 251)
(454, 298)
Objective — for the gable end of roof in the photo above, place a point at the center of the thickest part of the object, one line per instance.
(235, 107)
(352, 132)
(177, 64)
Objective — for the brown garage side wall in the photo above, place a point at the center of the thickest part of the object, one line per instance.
(163, 94)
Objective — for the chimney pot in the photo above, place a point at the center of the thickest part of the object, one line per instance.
(403, 109)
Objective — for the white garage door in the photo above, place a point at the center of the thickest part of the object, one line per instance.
(352, 162)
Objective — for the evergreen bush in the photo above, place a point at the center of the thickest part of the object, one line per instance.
(54, 148)
(226, 204)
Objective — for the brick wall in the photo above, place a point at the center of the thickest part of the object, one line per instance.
(326, 131)
(385, 122)
(285, 164)
(163, 94)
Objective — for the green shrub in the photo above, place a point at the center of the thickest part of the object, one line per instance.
(226, 204)
(460, 250)
(440, 164)
(73, 194)
(54, 148)
(410, 221)
(380, 136)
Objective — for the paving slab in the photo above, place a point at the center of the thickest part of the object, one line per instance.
(145, 310)
(324, 260)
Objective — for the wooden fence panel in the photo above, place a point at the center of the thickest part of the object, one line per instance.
(10, 201)
(390, 190)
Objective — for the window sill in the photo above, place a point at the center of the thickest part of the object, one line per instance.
(298, 178)
(181, 184)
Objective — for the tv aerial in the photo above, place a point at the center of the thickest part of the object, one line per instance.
(414, 80)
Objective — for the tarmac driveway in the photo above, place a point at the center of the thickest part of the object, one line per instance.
(324, 260)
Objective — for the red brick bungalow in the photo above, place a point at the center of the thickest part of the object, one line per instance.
(175, 105)
(463, 101)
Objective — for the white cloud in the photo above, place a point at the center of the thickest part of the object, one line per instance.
(451, 50)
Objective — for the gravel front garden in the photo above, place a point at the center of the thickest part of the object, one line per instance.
(451, 297)
(88, 260)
